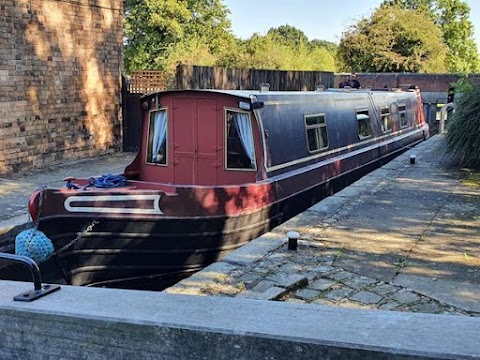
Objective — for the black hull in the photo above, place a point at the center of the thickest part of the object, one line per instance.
(154, 254)
(129, 253)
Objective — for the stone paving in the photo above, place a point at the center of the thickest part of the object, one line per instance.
(308, 275)
(387, 242)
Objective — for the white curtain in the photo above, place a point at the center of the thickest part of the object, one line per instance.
(159, 134)
(244, 129)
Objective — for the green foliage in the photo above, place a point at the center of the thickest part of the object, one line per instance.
(393, 40)
(452, 18)
(327, 45)
(286, 48)
(161, 33)
(289, 36)
(424, 6)
(458, 36)
(463, 137)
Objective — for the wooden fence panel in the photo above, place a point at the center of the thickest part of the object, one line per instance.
(202, 77)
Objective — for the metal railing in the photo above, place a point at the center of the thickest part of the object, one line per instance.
(39, 289)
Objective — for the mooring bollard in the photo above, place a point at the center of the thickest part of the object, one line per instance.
(293, 240)
(412, 159)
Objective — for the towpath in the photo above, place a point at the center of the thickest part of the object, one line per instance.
(404, 238)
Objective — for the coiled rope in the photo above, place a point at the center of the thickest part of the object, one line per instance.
(108, 181)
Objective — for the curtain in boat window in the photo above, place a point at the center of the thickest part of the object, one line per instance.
(244, 130)
(159, 136)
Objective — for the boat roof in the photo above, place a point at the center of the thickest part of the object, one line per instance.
(247, 94)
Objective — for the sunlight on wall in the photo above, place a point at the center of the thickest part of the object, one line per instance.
(61, 80)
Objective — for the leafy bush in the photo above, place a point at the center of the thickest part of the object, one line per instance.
(463, 137)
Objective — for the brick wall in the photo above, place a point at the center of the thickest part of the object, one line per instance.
(425, 82)
(60, 81)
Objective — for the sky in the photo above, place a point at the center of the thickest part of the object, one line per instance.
(318, 19)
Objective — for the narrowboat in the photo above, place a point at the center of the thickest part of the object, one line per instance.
(216, 169)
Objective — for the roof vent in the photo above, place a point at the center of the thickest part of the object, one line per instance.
(264, 87)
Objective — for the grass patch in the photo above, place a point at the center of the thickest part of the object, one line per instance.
(471, 178)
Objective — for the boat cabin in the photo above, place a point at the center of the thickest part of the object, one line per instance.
(220, 137)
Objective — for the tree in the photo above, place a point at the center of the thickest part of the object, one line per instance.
(159, 32)
(424, 6)
(329, 46)
(452, 17)
(285, 48)
(393, 40)
(288, 35)
(458, 35)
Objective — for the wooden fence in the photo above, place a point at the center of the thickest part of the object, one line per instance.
(203, 77)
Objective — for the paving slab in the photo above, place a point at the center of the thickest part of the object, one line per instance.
(456, 293)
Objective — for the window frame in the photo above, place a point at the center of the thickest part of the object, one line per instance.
(404, 112)
(316, 127)
(149, 143)
(382, 119)
(368, 118)
(225, 140)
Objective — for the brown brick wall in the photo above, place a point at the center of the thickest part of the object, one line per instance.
(60, 81)
(425, 82)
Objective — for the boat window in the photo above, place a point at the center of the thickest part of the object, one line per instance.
(363, 123)
(240, 152)
(402, 114)
(316, 129)
(157, 138)
(386, 119)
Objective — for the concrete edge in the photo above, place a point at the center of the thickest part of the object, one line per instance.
(117, 323)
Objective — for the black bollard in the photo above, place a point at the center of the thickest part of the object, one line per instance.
(293, 240)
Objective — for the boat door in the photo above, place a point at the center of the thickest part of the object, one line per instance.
(195, 141)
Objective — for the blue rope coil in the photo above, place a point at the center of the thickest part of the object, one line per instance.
(34, 244)
(108, 181)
